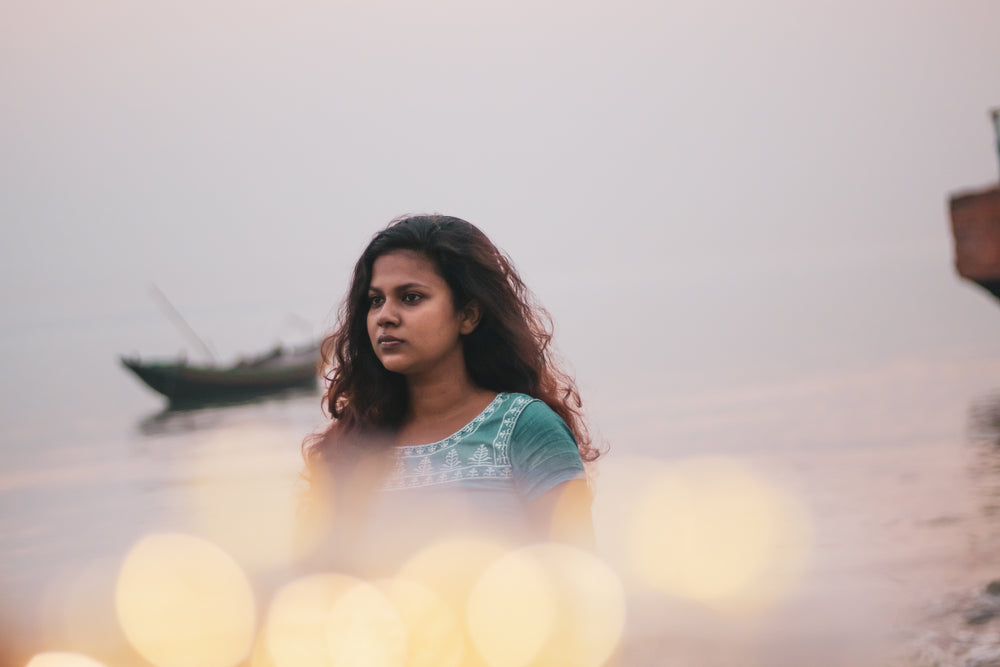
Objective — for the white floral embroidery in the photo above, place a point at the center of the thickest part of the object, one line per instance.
(502, 440)
(451, 461)
(425, 466)
(416, 451)
(479, 458)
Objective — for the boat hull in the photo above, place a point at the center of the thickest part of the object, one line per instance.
(182, 383)
(975, 223)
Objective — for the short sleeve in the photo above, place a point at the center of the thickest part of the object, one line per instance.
(543, 451)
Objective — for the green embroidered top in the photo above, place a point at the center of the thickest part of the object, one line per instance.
(474, 483)
(517, 446)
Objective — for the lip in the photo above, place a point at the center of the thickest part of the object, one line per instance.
(388, 340)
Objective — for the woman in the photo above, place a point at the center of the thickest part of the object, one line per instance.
(447, 409)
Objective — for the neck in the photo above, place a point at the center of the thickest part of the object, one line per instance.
(440, 404)
(435, 397)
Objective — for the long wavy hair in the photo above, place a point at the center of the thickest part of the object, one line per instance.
(509, 350)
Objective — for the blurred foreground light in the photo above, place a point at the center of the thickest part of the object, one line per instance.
(434, 635)
(364, 629)
(295, 632)
(619, 484)
(591, 606)
(547, 604)
(55, 659)
(451, 568)
(326, 620)
(711, 530)
(512, 610)
(242, 498)
(183, 601)
(571, 520)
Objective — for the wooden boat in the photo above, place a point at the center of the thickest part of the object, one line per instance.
(274, 371)
(975, 224)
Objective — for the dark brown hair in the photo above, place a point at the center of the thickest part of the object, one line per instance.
(509, 350)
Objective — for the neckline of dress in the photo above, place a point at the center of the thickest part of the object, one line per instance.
(492, 404)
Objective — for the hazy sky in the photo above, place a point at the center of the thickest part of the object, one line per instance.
(687, 185)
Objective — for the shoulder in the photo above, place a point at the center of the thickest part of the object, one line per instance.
(534, 415)
(543, 451)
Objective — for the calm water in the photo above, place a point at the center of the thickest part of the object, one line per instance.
(895, 464)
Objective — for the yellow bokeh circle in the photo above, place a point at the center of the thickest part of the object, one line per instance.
(712, 530)
(434, 636)
(181, 600)
(547, 604)
(325, 620)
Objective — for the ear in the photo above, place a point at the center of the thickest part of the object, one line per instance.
(469, 317)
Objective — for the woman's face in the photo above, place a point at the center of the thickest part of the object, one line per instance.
(412, 322)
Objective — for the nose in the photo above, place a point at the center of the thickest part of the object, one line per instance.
(388, 314)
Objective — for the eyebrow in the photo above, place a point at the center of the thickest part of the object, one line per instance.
(401, 288)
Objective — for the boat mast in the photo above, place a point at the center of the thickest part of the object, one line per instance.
(176, 317)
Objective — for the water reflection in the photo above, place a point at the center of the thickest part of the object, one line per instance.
(206, 415)
(984, 470)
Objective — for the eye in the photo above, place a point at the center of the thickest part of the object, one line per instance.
(375, 300)
(412, 297)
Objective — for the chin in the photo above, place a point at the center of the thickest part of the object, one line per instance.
(394, 366)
